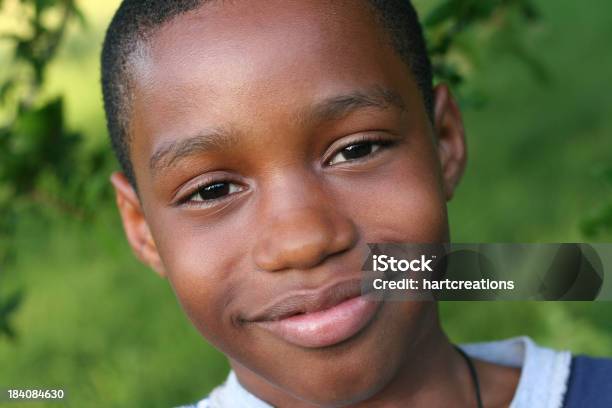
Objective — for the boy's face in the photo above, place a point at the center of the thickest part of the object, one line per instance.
(270, 144)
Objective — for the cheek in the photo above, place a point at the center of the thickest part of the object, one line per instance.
(199, 265)
(403, 204)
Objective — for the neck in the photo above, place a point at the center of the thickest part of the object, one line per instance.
(432, 373)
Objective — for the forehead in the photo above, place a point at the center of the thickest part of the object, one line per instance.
(233, 64)
(235, 34)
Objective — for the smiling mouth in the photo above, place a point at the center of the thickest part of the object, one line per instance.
(319, 318)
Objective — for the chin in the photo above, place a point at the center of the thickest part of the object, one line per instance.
(355, 370)
(345, 386)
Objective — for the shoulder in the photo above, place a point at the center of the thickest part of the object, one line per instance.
(544, 371)
(590, 383)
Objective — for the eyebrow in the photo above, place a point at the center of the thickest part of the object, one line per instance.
(222, 138)
(338, 106)
(206, 140)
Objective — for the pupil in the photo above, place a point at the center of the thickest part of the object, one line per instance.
(357, 150)
(214, 191)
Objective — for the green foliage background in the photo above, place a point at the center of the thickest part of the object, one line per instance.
(88, 318)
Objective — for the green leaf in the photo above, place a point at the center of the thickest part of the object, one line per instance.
(445, 72)
(11, 304)
(6, 330)
(78, 13)
(7, 308)
(445, 11)
(42, 5)
(5, 88)
(36, 140)
(530, 11)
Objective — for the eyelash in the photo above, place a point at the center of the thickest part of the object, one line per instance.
(187, 201)
(380, 141)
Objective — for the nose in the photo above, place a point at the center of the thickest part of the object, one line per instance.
(303, 237)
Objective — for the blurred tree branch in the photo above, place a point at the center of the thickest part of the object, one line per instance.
(485, 24)
(504, 21)
(34, 141)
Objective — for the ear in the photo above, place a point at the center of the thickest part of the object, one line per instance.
(450, 137)
(134, 223)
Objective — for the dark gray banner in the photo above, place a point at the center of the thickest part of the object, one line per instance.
(492, 271)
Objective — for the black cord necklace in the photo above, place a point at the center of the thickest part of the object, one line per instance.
(473, 374)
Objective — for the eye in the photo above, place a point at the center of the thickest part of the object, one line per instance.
(213, 191)
(357, 151)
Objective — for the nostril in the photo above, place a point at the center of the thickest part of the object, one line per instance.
(345, 237)
(303, 239)
(308, 255)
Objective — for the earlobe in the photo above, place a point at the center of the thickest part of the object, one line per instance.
(450, 134)
(135, 225)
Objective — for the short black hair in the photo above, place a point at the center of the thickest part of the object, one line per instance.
(136, 20)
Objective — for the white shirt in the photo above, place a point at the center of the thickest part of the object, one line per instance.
(542, 384)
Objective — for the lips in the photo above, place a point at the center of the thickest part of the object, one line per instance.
(319, 318)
